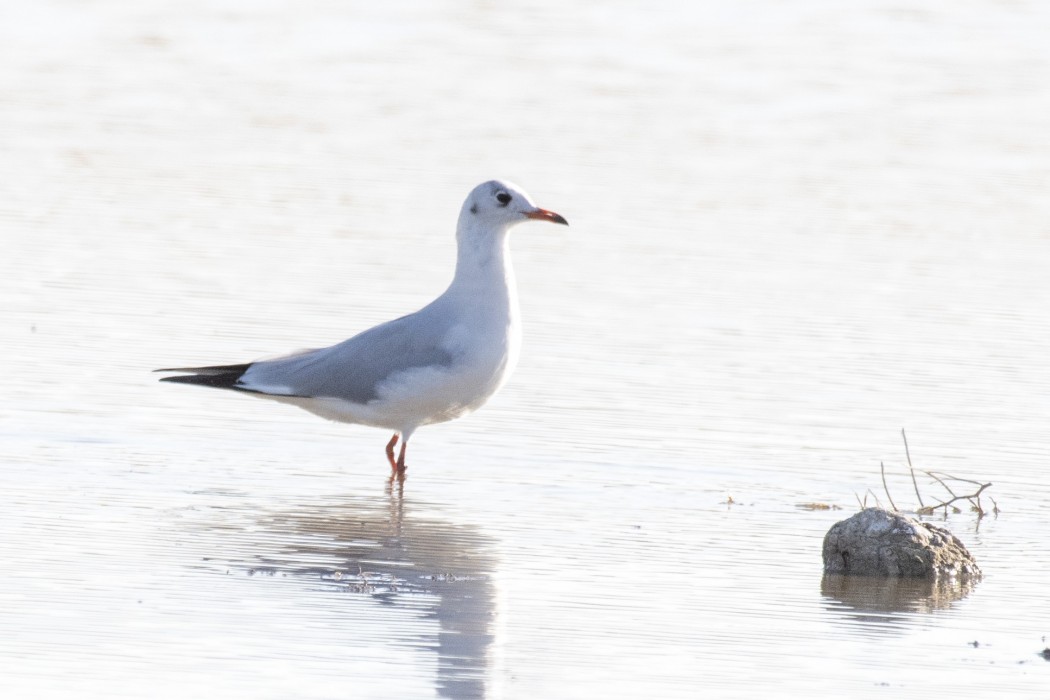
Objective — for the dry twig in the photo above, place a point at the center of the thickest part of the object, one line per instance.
(973, 498)
(882, 468)
(907, 453)
(947, 481)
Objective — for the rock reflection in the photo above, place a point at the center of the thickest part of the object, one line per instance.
(870, 598)
(381, 548)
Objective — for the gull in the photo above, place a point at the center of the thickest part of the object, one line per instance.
(439, 363)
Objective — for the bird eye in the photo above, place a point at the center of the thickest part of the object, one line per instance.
(504, 199)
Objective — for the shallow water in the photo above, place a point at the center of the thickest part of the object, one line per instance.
(796, 229)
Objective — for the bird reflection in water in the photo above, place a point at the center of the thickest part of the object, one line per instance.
(378, 547)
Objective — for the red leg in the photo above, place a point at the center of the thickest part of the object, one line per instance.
(390, 453)
(401, 458)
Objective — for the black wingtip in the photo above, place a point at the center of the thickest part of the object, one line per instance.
(219, 376)
(218, 382)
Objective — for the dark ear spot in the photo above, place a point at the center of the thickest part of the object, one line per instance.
(473, 208)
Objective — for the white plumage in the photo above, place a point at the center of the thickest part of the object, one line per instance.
(439, 363)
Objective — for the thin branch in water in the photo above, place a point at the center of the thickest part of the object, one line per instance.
(957, 478)
(882, 468)
(940, 481)
(872, 494)
(948, 482)
(973, 498)
(907, 452)
(914, 483)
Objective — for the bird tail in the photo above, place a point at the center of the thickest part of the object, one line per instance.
(218, 376)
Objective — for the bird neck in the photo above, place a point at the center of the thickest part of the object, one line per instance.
(483, 268)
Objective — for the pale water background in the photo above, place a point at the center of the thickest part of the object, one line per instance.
(796, 229)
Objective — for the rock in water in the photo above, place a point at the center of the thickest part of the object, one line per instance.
(877, 542)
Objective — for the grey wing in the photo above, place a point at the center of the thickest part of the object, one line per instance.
(354, 368)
